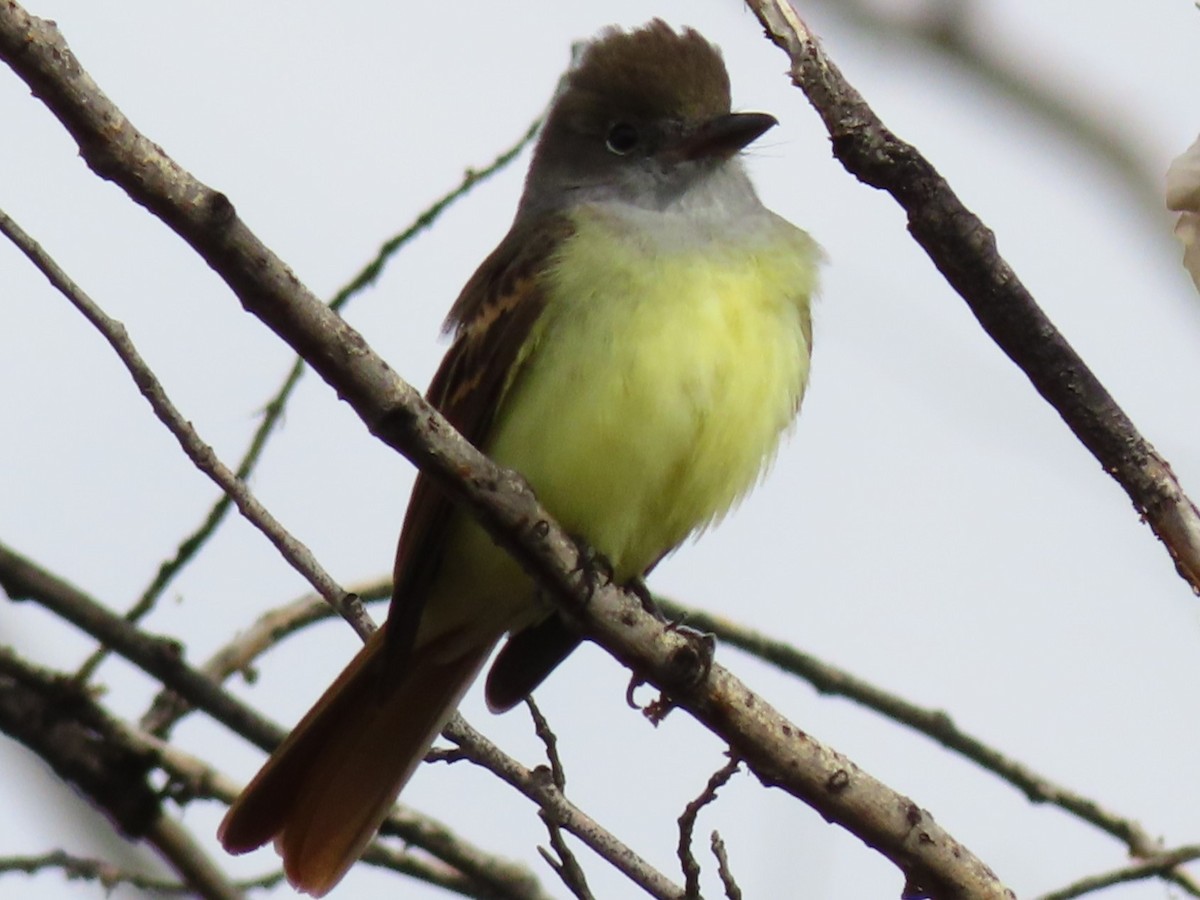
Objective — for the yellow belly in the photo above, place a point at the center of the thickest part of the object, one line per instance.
(657, 383)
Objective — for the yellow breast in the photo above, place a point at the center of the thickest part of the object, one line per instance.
(658, 381)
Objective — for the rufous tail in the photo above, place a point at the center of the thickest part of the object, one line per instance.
(324, 792)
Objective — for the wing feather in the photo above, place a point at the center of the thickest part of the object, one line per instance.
(491, 322)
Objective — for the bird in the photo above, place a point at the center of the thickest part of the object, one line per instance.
(635, 347)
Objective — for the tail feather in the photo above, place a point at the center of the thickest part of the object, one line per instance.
(322, 795)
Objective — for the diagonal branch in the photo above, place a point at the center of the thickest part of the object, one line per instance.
(55, 718)
(201, 454)
(272, 412)
(22, 579)
(933, 723)
(776, 750)
(239, 653)
(1159, 865)
(448, 862)
(964, 251)
(539, 786)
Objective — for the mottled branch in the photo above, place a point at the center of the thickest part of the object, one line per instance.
(59, 721)
(964, 251)
(21, 579)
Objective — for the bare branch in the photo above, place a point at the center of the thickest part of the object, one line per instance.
(196, 869)
(492, 875)
(273, 410)
(200, 453)
(1159, 865)
(732, 891)
(550, 741)
(687, 825)
(22, 580)
(933, 723)
(455, 865)
(390, 247)
(964, 251)
(55, 718)
(538, 785)
(432, 871)
(565, 865)
(108, 876)
(239, 654)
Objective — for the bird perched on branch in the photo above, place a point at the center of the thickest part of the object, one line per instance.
(635, 347)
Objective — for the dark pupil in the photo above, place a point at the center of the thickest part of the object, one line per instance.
(622, 138)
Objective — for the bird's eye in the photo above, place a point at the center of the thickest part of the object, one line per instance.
(622, 138)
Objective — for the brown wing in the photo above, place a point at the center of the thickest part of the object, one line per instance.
(490, 320)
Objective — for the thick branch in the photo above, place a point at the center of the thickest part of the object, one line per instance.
(274, 408)
(448, 861)
(933, 723)
(964, 251)
(55, 718)
(775, 749)
(21, 579)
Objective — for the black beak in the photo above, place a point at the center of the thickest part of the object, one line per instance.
(722, 137)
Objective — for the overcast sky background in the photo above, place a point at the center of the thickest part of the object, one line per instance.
(932, 525)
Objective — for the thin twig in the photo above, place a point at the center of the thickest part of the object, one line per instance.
(538, 786)
(964, 251)
(109, 876)
(274, 408)
(201, 454)
(238, 654)
(471, 178)
(1160, 865)
(687, 826)
(732, 890)
(23, 580)
(933, 723)
(550, 741)
(565, 865)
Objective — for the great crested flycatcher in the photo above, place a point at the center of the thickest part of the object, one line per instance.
(635, 347)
